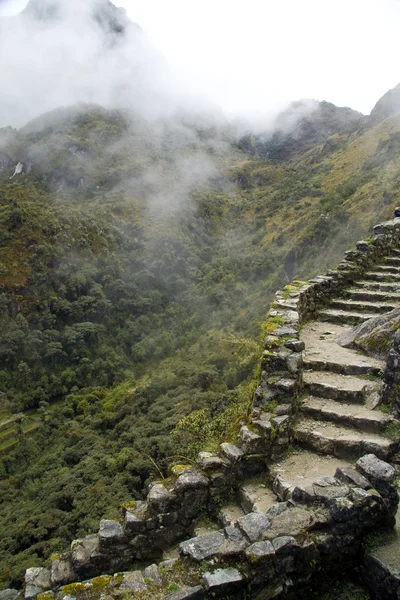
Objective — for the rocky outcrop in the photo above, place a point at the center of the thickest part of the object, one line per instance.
(374, 336)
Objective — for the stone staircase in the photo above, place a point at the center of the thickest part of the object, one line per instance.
(287, 496)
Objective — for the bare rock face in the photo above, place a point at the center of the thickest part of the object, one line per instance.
(374, 336)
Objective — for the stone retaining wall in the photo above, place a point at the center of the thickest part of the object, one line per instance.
(264, 556)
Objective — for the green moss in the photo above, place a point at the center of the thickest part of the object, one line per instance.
(172, 587)
(73, 589)
(130, 505)
(101, 582)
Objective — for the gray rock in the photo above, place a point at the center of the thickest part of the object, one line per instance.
(153, 573)
(8, 594)
(209, 461)
(133, 581)
(253, 525)
(232, 453)
(160, 499)
(283, 409)
(285, 544)
(276, 509)
(222, 580)
(62, 572)
(191, 481)
(375, 336)
(194, 593)
(295, 345)
(375, 469)
(351, 476)
(133, 524)
(110, 532)
(326, 492)
(259, 551)
(31, 591)
(83, 550)
(203, 546)
(39, 577)
(249, 440)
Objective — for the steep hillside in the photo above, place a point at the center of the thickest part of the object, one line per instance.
(137, 260)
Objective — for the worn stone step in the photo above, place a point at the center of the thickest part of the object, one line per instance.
(363, 305)
(383, 286)
(302, 467)
(343, 388)
(393, 260)
(338, 367)
(395, 251)
(347, 317)
(358, 417)
(387, 269)
(380, 276)
(322, 352)
(256, 496)
(328, 438)
(374, 295)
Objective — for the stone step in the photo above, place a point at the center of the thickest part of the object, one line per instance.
(328, 438)
(374, 295)
(393, 260)
(256, 496)
(383, 286)
(343, 388)
(343, 369)
(362, 305)
(347, 317)
(358, 417)
(387, 269)
(301, 467)
(395, 252)
(379, 276)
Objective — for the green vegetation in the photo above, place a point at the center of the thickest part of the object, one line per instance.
(136, 267)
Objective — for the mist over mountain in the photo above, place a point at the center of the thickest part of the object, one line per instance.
(142, 236)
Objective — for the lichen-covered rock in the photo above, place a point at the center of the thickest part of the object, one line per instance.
(374, 336)
(152, 573)
(133, 581)
(209, 461)
(9, 594)
(62, 571)
(37, 580)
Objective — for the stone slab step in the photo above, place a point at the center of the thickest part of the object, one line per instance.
(322, 352)
(335, 386)
(387, 269)
(379, 276)
(383, 286)
(347, 317)
(393, 260)
(336, 367)
(374, 295)
(358, 417)
(256, 496)
(395, 252)
(302, 467)
(328, 438)
(362, 305)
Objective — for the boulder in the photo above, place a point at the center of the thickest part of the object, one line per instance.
(375, 336)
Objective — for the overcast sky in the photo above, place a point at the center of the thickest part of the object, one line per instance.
(250, 55)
